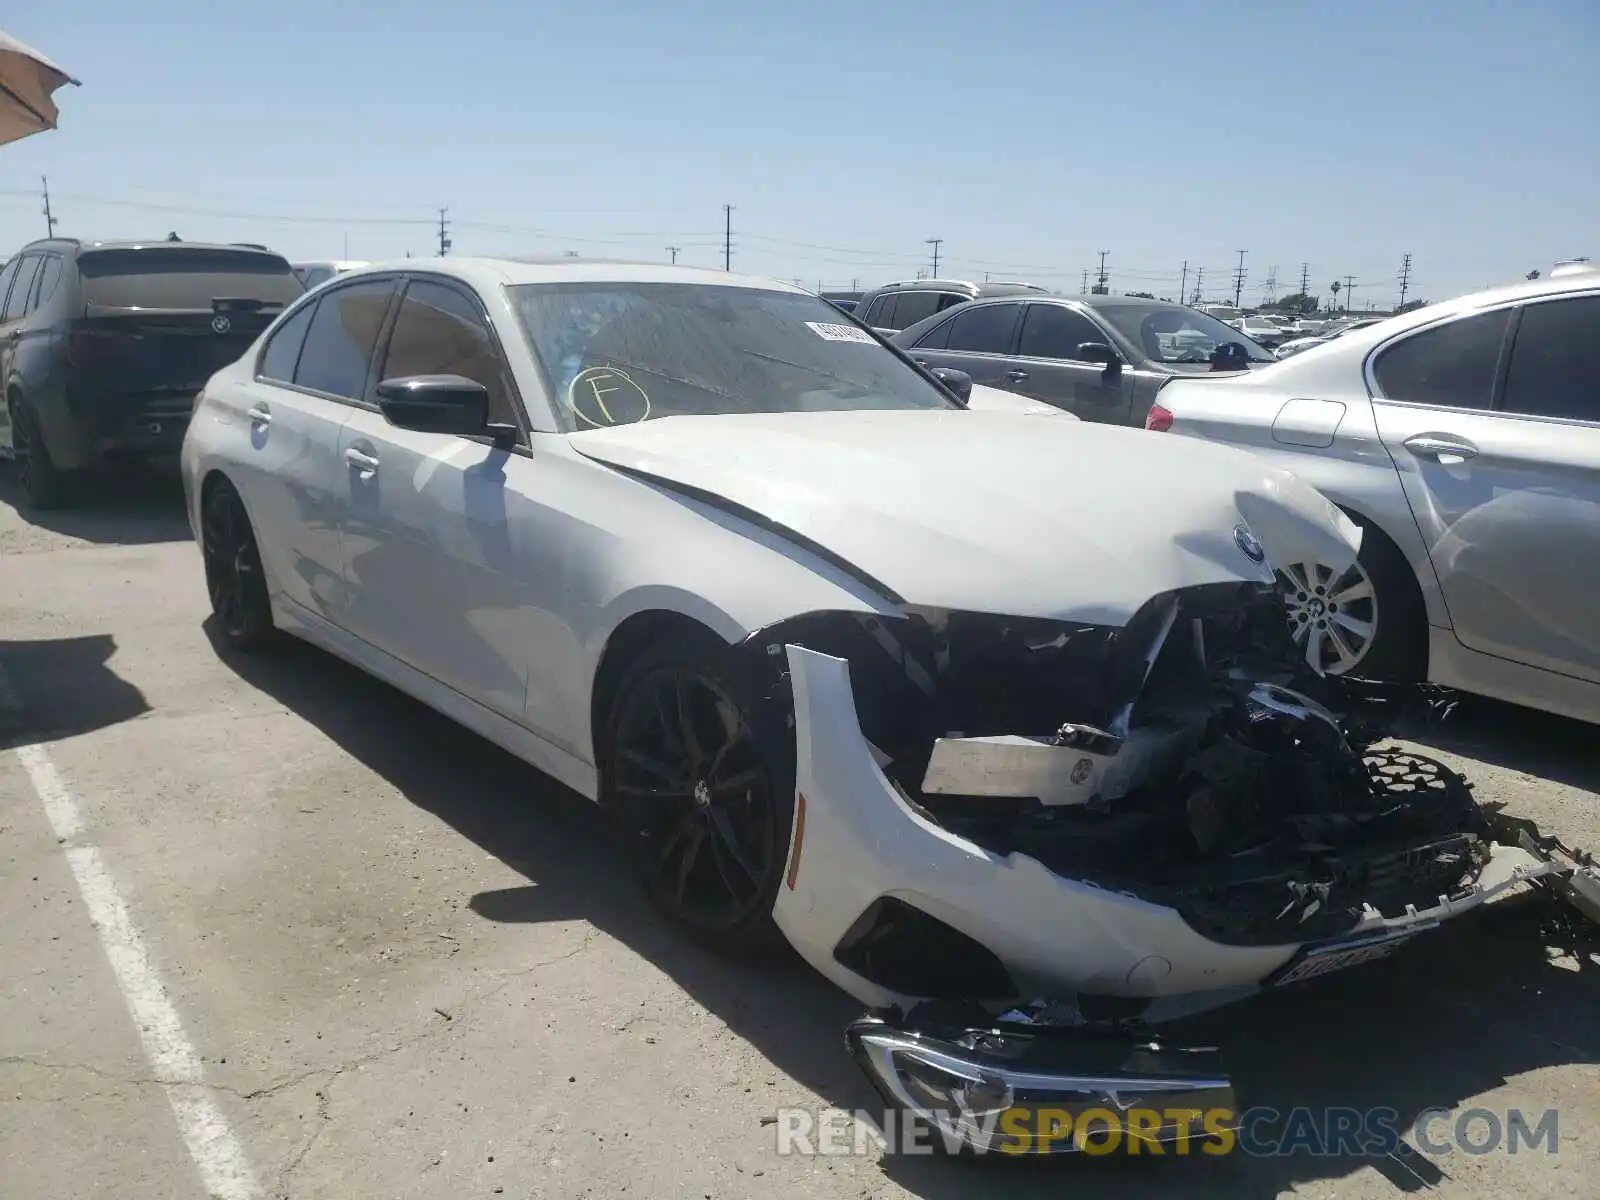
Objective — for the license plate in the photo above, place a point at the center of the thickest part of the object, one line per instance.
(1336, 956)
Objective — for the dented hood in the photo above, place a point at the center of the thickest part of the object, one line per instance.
(995, 512)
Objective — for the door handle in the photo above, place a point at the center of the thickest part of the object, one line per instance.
(1443, 449)
(1016, 376)
(357, 458)
(259, 415)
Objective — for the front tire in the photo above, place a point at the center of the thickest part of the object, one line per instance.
(1367, 621)
(234, 578)
(697, 776)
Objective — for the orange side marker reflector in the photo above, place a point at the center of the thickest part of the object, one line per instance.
(799, 837)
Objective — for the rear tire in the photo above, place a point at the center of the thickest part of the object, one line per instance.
(234, 578)
(697, 778)
(43, 483)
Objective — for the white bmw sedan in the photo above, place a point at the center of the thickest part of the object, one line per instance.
(969, 706)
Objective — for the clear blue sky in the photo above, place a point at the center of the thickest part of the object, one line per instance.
(1028, 135)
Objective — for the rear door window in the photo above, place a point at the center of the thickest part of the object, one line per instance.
(342, 335)
(880, 313)
(914, 307)
(21, 286)
(183, 277)
(1555, 364)
(283, 347)
(984, 329)
(8, 276)
(1451, 365)
(49, 280)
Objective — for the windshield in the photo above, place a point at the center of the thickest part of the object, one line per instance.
(617, 353)
(1177, 334)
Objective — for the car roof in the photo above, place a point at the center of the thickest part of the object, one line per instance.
(152, 244)
(984, 289)
(513, 272)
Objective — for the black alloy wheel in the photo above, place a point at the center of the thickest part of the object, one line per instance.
(40, 479)
(234, 578)
(704, 803)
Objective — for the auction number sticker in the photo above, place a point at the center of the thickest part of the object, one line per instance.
(840, 333)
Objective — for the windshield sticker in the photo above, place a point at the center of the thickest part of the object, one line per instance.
(601, 397)
(840, 333)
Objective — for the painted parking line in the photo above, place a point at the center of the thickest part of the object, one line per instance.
(218, 1155)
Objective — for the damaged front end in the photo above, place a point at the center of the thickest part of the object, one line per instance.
(1131, 821)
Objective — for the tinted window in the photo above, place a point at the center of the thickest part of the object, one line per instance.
(7, 276)
(283, 348)
(339, 343)
(1452, 365)
(439, 332)
(935, 338)
(914, 307)
(950, 300)
(17, 301)
(49, 279)
(317, 275)
(880, 314)
(1555, 365)
(175, 276)
(1051, 331)
(617, 353)
(985, 328)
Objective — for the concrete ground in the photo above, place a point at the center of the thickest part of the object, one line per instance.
(407, 966)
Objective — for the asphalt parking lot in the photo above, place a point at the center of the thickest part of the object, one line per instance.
(404, 965)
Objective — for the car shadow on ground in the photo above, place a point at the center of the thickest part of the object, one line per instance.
(1518, 739)
(132, 508)
(1459, 1014)
(59, 687)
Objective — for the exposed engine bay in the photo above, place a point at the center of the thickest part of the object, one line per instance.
(1189, 758)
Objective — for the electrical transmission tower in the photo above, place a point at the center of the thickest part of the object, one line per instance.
(1405, 278)
(444, 233)
(1272, 284)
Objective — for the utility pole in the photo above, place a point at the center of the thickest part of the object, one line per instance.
(49, 218)
(1100, 280)
(727, 237)
(1183, 283)
(1199, 282)
(1349, 286)
(1405, 278)
(347, 247)
(673, 250)
(1238, 279)
(935, 243)
(1084, 289)
(1305, 279)
(444, 234)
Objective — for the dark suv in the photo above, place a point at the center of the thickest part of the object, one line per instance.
(897, 306)
(103, 346)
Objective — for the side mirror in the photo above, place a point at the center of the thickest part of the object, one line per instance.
(1099, 352)
(439, 404)
(958, 382)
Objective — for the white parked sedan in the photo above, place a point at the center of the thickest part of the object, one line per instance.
(1465, 438)
(971, 707)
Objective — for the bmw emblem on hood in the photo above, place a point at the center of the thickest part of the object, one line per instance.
(220, 323)
(1249, 545)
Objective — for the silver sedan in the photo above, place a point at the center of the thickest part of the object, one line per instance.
(1465, 439)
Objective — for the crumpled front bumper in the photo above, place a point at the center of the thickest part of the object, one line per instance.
(856, 841)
